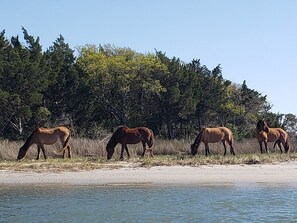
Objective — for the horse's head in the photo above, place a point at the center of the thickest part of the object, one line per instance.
(262, 126)
(110, 150)
(194, 149)
(22, 152)
(195, 145)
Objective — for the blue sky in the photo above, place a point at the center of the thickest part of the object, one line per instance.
(253, 40)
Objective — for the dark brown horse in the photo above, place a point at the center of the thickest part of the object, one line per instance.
(46, 136)
(125, 135)
(266, 134)
(213, 135)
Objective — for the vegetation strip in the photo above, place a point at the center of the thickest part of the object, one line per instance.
(78, 164)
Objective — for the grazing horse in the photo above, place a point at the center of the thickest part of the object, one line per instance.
(125, 135)
(46, 136)
(266, 134)
(213, 135)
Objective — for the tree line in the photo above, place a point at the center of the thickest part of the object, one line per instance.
(106, 86)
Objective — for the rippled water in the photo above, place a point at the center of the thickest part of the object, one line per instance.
(147, 204)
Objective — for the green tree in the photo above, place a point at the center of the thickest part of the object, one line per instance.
(290, 125)
(176, 105)
(61, 93)
(120, 80)
(23, 82)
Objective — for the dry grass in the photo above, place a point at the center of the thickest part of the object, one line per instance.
(90, 154)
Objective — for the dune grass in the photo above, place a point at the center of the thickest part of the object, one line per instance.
(90, 154)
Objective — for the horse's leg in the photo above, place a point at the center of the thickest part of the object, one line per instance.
(232, 149)
(65, 145)
(230, 142)
(275, 144)
(266, 146)
(69, 151)
(206, 149)
(38, 152)
(122, 152)
(286, 145)
(43, 151)
(151, 151)
(144, 148)
(261, 149)
(64, 152)
(225, 149)
(280, 146)
(127, 151)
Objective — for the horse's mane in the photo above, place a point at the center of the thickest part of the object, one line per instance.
(262, 126)
(27, 143)
(198, 138)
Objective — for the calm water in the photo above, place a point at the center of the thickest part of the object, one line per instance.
(147, 204)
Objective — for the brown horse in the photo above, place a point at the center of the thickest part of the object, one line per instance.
(213, 135)
(125, 135)
(266, 134)
(46, 136)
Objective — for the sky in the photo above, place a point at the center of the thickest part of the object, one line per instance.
(252, 40)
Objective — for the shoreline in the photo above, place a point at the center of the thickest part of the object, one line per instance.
(280, 174)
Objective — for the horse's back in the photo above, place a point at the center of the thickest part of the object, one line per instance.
(135, 135)
(50, 135)
(226, 131)
(143, 131)
(59, 129)
(63, 130)
(213, 135)
(275, 134)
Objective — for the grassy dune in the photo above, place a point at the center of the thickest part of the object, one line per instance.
(90, 154)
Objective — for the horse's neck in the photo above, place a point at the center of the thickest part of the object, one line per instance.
(28, 143)
(113, 142)
(198, 137)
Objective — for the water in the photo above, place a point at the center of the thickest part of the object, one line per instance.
(147, 204)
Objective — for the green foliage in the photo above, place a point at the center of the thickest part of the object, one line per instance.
(23, 82)
(121, 80)
(107, 86)
(42, 115)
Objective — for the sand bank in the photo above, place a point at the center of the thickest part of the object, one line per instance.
(264, 174)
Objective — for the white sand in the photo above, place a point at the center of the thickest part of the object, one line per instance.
(241, 175)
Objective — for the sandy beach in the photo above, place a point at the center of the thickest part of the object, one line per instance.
(284, 173)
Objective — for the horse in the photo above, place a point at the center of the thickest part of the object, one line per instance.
(277, 135)
(46, 136)
(125, 135)
(213, 135)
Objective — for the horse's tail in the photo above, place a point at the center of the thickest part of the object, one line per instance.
(287, 145)
(24, 149)
(151, 139)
